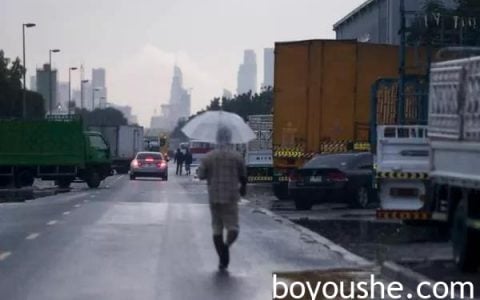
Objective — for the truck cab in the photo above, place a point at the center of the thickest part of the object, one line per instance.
(402, 166)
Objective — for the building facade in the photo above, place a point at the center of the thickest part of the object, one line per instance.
(268, 66)
(247, 73)
(47, 86)
(377, 21)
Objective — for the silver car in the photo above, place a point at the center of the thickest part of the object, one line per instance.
(149, 164)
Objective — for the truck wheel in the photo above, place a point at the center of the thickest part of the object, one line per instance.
(122, 170)
(362, 197)
(465, 240)
(5, 181)
(280, 191)
(93, 179)
(303, 203)
(24, 178)
(63, 183)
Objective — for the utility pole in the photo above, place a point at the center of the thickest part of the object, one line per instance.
(401, 83)
(24, 96)
(70, 87)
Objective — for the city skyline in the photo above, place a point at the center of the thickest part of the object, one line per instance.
(139, 56)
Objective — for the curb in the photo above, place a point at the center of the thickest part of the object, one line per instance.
(405, 275)
(307, 233)
(410, 278)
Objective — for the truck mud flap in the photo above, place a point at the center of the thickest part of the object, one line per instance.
(260, 179)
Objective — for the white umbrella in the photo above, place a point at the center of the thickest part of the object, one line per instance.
(205, 126)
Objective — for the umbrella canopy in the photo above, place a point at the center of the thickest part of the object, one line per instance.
(205, 127)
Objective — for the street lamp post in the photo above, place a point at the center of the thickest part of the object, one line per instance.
(70, 87)
(24, 96)
(81, 93)
(50, 102)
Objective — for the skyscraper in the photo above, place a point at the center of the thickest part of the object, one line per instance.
(33, 83)
(268, 65)
(62, 97)
(180, 101)
(99, 89)
(178, 107)
(44, 87)
(247, 73)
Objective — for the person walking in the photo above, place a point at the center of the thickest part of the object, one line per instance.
(188, 162)
(226, 175)
(179, 159)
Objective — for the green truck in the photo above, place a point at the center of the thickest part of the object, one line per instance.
(53, 149)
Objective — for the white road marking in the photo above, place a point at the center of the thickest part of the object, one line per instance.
(86, 201)
(52, 222)
(77, 205)
(32, 236)
(93, 196)
(4, 255)
(66, 213)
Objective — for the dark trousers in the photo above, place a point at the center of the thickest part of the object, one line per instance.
(179, 168)
(187, 169)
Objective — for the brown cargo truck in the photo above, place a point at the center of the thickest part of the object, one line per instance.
(322, 98)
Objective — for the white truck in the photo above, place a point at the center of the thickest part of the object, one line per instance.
(124, 141)
(454, 132)
(434, 173)
(258, 154)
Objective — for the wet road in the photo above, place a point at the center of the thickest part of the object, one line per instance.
(146, 239)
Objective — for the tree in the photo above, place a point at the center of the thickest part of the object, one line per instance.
(11, 94)
(102, 117)
(439, 26)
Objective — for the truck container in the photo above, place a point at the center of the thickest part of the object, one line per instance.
(124, 142)
(55, 149)
(322, 100)
(258, 154)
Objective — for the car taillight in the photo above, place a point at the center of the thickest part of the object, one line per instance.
(149, 159)
(294, 176)
(135, 163)
(162, 165)
(337, 176)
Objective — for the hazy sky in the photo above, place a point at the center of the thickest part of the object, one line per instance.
(139, 41)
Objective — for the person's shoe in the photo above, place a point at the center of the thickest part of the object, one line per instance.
(225, 258)
(222, 251)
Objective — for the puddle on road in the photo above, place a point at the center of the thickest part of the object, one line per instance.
(379, 241)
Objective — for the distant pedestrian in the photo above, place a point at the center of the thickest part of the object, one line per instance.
(226, 175)
(179, 159)
(188, 161)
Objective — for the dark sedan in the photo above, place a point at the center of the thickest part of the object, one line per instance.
(149, 164)
(349, 175)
